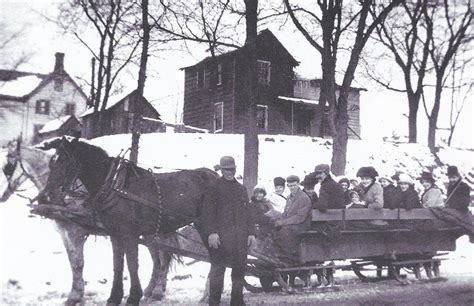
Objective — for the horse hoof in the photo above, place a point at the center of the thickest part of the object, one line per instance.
(72, 302)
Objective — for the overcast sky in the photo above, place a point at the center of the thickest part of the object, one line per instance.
(382, 112)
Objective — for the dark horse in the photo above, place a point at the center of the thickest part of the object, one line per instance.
(24, 163)
(129, 200)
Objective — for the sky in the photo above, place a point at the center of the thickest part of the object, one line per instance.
(383, 113)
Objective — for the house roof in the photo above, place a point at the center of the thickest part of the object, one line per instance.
(293, 99)
(263, 33)
(55, 124)
(19, 85)
(115, 100)
(316, 80)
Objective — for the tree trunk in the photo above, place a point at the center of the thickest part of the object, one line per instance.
(433, 119)
(251, 130)
(339, 145)
(141, 83)
(413, 103)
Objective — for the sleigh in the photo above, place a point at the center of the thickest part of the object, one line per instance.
(376, 244)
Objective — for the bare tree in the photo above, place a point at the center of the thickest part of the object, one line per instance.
(11, 57)
(113, 25)
(357, 28)
(407, 38)
(452, 25)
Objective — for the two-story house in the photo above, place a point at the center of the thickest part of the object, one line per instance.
(214, 93)
(30, 100)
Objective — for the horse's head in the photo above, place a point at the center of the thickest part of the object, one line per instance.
(13, 174)
(64, 169)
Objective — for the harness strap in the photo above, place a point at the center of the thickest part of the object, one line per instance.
(136, 198)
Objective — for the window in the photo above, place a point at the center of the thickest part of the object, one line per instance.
(58, 84)
(263, 72)
(200, 77)
(42, 107)
(69, 109)
(262, 117)
(218, 116)
(219, 74)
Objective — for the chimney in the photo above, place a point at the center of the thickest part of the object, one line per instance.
(59, 64)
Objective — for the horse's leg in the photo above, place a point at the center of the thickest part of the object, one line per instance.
(131, 251)
(155, 257)
(160, 286)
(74, 238)
(116, 293)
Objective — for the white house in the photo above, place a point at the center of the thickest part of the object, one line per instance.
(29, 100)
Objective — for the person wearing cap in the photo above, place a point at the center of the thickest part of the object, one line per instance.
(432, 196)
(396, 177)
(277, 198)
(345, 184)
(295, 218)
(410, 198)
(230, 228)
(458, 196)
(331, 195)
(262, 206)
(392, 196)
(371, 191)
(308, 184)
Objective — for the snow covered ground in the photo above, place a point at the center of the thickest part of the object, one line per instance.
(34, 267)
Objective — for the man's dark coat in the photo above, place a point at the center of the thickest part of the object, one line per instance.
(459, 196)
(331, 195)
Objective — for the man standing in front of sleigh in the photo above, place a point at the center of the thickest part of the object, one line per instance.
(230, 228)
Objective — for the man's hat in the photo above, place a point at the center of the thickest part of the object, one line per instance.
(279, 181)
(426, 176)
(322, 168)
(227, 162)
(309, 181)
(344, 180)
(292, 178)
(453, 171)
(396, 176)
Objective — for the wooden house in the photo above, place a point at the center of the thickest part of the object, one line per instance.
(62, 126)
(214, 92)
(29, 100)
(118, 117)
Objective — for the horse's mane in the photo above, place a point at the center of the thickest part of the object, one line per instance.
(89, 151)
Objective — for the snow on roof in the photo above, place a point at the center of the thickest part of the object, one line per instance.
(21, 86)
(110, 102)
(292, 99)
(54, 125)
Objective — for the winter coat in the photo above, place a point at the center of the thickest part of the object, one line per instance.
(392, 197)
(297, 214)
(262, 222)
(313, 196)
(331, 195)
(347, 197)
(373, 195)
(228, 213)
(410, 199)
(459, 196)
(432, 197)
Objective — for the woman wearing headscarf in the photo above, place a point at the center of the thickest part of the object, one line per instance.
(371, 192)
(391, 194)
(432, 196)
(410, 197)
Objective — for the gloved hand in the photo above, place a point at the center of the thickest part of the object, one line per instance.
(214, 240)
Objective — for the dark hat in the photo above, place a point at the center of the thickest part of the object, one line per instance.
(367, 172)
(322, 168)
(344, 180)
(426, 176)
(292, 179)
(227, 162)
(279, 181)
(309, 181)
(453, 171)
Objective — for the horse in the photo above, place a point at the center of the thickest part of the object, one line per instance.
(129, 201)
(24, 163)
